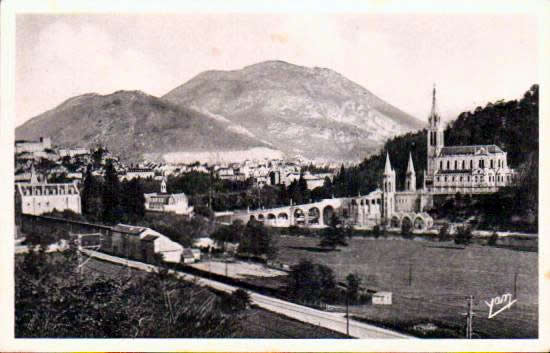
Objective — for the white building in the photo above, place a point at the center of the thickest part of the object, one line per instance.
(464, 169)
(142, 173)
(382, 298)
(71, 152)
(40, 197)
(33, 146)
(165, 202)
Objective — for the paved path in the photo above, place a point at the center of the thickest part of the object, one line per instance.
(332, 321)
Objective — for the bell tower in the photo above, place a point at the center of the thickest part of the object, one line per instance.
(388, 190)
(435, 141)
(410, 178)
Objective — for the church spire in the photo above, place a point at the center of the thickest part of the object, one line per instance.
(163, 186)
(410, 166)
(387, 168)
(434, 115)
(34, 177)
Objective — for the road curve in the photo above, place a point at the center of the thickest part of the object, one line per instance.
(332, 321)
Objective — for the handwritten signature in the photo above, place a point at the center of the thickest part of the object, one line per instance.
(500, 300)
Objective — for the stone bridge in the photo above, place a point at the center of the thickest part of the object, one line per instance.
(310, 214)
(360, 211)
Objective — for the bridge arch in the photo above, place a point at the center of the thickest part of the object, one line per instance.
(395, 222)
(328, 211)
(271, 216)
(406, 220)
(282, 216)
(299, 216)
(419, 223)
(261, 217)
(314, 215)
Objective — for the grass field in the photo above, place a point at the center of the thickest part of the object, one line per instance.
(430, 280)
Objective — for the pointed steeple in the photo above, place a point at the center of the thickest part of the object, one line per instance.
(410, 166)
(434, 115)
(163, 186)
(34, 177)
(387, 168)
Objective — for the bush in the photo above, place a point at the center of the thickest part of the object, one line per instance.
(463, 235)
(493, 239)
(406, 230)
(444, 233)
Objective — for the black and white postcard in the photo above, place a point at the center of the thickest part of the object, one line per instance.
(355, 176)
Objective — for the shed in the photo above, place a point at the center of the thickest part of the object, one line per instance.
(382, 298)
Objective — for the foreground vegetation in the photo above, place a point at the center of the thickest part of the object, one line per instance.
(105, 300)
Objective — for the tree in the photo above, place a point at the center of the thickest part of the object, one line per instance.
(492, 239)
(335, 234)
(132, 199)
(353, 282)
(311, 283)
(110, 196)
(443, 234)
(376, 231)
(236, 302)
(256, 240)
(463, 235)
(406, 229)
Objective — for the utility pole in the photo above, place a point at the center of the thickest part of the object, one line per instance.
(210, 188)
(347, 312)
(469, 316)
(516, 284)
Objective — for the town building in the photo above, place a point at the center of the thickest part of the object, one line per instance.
(382, 298)
(141, 243)
(465, 169)
(38, 197)
(165, 202)
(33, 146)
(71, 152)
(133, 173)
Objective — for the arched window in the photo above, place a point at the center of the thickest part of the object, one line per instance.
(448, 164)
(463, 164)
(471, 164)
(492, 166)
(441, 165)
(456, 164)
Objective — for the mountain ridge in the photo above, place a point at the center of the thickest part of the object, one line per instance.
(313, 112)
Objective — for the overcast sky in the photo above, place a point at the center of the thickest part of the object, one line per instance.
(472, 58)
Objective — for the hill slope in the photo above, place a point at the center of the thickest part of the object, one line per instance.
(310, 111)
(133, 124)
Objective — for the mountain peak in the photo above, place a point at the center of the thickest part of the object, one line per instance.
(298, 109)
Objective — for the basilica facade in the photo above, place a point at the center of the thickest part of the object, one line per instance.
(473, 169)
(466, 169)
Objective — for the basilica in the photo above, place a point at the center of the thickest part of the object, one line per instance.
(473, 169)
(465, 169)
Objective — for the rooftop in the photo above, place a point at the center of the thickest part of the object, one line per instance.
(124, 228)
(471, 150)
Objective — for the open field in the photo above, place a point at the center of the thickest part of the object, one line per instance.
(430, 281)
